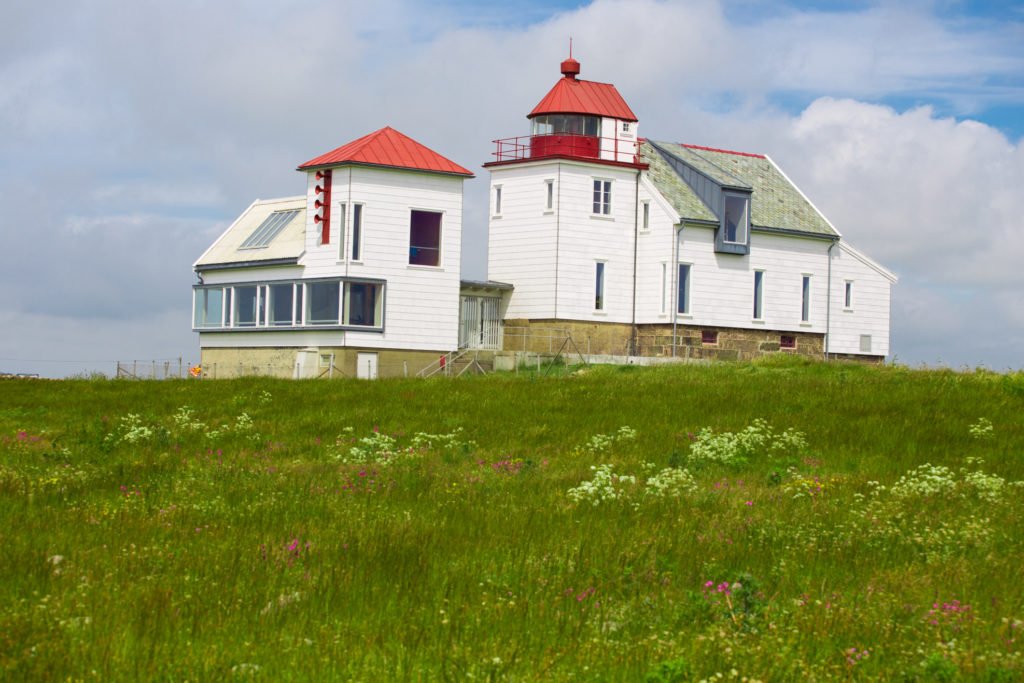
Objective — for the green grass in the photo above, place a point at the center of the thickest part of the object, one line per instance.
(260, 553)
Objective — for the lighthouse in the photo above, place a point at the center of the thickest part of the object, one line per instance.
(566, 208)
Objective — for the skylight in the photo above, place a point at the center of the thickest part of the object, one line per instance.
(269, 229)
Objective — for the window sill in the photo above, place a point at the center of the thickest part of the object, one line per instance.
(847, 310)
(684, 316)
(806, 324)
(602, 217)
(496, 216)
(600, 313)
(549, 212)
(757, 321)
(433, 268)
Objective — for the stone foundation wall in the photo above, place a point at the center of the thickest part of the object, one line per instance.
(281, 361)
(616, 339)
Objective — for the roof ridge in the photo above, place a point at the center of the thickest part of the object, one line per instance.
(723, 151)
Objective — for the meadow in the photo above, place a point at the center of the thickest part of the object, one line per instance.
(780, 520)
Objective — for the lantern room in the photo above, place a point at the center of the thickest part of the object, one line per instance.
(577, 119)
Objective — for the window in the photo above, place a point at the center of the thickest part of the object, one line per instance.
(567, 124)
(245, 306)
(599, 286)
(270, 228)
(282, 304)
(664, 274)
(865, 343)
(602, 197)
(683, 293)
(645, 219)
(357, 232)
(364, 303)
(758, 295)
(322, 303)
(625, 126)
(709, 336)
(805, 299)
(209, 308)
(787, 341)
(550, 202)
(497, 200)
(848, 295)
(341, 222)
(425, 238)
(734, 219)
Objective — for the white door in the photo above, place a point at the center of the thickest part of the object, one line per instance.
(366, 365)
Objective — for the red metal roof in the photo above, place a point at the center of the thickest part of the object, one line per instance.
(573, 96)
(724, 151)
(387, 147)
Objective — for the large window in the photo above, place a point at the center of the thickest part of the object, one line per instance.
(683, 293)
(602, 197)
(425, 238)
(209, 307)
(758, 295)
(246, 302)
(599, 286)
(364, 304)
(338, 302)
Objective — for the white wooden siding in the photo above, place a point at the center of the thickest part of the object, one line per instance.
(869, 313)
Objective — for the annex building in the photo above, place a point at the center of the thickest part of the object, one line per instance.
(601, 240)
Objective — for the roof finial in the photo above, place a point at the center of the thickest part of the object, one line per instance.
(570, 67)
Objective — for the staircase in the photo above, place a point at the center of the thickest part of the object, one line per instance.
(459, 362)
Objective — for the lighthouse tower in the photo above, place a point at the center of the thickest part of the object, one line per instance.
(565, 208)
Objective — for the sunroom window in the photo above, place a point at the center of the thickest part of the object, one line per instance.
(364, 303)
(323, 303)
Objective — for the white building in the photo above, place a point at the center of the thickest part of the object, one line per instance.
(622, 245)
(358, 276)
(636, 247)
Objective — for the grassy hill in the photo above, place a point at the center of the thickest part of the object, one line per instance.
(777, 521)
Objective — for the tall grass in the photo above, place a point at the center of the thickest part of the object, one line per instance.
(272, 531)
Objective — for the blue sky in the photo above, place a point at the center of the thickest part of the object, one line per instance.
(133, 134)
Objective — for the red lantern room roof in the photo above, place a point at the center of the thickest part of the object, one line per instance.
(388, 148)
(573, 96)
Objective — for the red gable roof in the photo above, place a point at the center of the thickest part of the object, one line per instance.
(387, 147)
(573, 96)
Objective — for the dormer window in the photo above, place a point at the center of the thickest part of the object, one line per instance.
(733, 235)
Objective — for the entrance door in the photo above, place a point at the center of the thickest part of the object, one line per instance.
(366, 365)
(479, 327)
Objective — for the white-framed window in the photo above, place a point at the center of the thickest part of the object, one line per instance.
(683, 289)
(758, 295)
(549, 195)
(599, 301)
(342, 214)
(805, 299)
(735, 220)
(625, 126)
(357, 232)
(424, 238)
(848, 295)
(602, 197)
(497, 200)
(291, 303)
(645, 215)
(664, 288)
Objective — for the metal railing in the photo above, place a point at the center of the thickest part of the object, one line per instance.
(566, 145)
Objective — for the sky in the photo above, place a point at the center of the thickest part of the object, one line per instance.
(132, 134)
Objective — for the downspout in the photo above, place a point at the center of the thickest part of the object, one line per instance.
(558, 225)
(828, 299)
(636, 228)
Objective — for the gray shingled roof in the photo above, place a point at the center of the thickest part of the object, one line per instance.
(775, 202)
(673, 188)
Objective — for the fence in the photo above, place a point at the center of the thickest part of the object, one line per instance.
(152, 369)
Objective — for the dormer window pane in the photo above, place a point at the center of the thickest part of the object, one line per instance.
(734, 220)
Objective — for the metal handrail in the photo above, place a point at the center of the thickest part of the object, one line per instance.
(576, 145)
